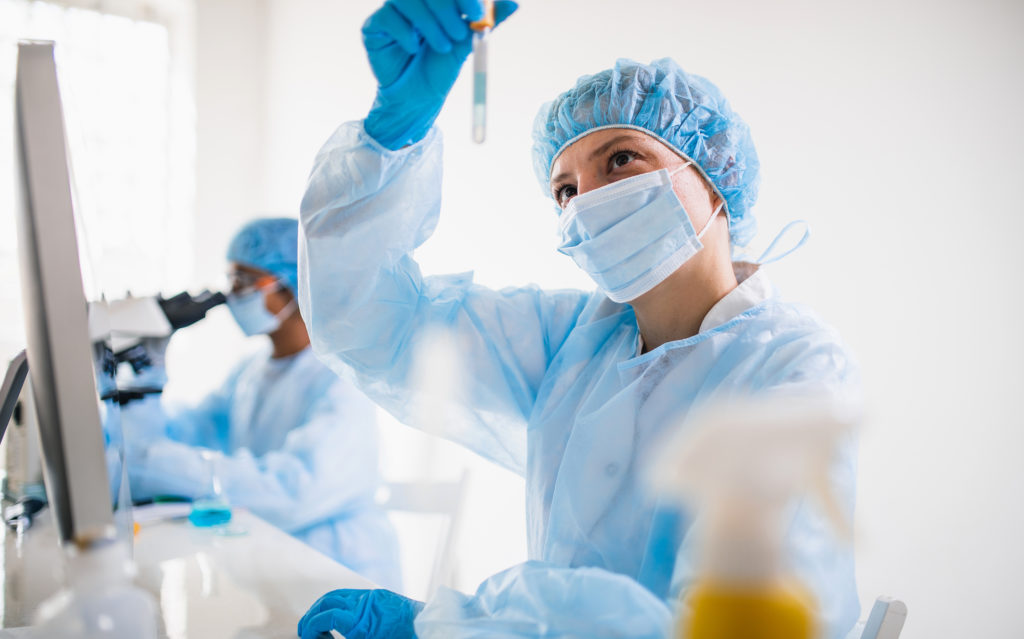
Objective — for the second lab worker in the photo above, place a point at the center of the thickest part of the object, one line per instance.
(284, 436)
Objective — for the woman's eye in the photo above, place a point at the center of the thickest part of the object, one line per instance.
(564, 194)
(622, 158)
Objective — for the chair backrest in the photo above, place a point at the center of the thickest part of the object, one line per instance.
(443, 498)
(886, 619)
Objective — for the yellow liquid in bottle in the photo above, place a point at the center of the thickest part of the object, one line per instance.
(748, 611)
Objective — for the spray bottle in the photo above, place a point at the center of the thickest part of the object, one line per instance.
(742, 466)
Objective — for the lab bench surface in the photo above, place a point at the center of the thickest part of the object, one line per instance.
(248, 581)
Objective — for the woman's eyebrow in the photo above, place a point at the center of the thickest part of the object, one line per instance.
(597, 152)
(610, 143)
(558, 178)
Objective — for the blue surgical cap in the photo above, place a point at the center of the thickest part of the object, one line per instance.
(686, 112)
(271, 244)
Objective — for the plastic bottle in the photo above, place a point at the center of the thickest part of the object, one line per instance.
(99, 600)
(742, 465)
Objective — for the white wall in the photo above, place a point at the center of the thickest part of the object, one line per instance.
(231, 123)
(230, 53)
(893, 127)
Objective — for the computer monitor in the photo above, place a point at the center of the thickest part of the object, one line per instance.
(59, 349)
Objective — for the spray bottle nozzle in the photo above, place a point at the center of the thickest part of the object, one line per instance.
(742, 463)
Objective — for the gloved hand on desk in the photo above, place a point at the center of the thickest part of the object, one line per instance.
(361, 614)
(416, 53)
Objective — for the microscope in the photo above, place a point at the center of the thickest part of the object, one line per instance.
(137, 330)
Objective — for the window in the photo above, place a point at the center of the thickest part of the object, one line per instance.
(129, 113)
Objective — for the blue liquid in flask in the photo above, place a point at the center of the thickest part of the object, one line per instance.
(209, 513)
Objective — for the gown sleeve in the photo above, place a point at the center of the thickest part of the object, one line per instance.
(205, 424)
(371, 311)
(536, 599)
(326, 468)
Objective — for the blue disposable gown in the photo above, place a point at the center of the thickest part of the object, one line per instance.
(555, 389)
(294, 444)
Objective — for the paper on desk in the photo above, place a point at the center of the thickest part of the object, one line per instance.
(161, 511)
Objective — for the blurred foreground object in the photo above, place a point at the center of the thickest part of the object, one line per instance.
(743, 466)
(67, 378)
(99, 600)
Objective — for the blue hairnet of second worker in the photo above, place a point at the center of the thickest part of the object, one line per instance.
(685, 111)
(270, 244)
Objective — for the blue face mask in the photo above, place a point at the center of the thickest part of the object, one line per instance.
(251, 314)
(631, 234)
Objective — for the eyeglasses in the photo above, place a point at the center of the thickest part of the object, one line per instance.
(244, 280)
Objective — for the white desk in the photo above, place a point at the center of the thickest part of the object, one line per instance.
(207, 585)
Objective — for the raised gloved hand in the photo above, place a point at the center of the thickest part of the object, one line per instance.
(416, 48)
(361, 614)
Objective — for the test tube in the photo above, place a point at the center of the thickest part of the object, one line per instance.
(481, 29)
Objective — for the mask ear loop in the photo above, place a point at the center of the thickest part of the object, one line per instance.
(714, 214)
(765, 259)
(680, 168)
(290, 308)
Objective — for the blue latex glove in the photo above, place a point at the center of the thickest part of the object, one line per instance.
(416, 48)
(361, 614)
